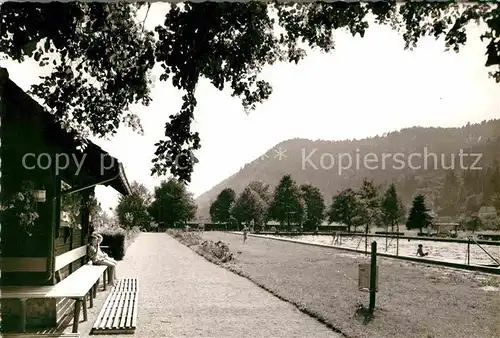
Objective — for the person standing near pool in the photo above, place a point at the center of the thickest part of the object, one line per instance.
(245, 234)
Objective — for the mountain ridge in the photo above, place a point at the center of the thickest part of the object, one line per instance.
(443, 141)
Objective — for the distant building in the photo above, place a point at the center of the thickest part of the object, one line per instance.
(487, 212)
(445, 227)
(444, 219)
(488, 215)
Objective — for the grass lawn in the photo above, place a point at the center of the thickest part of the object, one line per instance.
(414, 300)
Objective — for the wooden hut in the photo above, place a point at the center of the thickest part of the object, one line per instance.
(33, 146)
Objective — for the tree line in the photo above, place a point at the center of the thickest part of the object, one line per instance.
(304, 206)
(170, 205)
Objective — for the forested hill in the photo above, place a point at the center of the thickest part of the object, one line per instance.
(383, 165)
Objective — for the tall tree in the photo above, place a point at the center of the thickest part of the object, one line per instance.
(220, 210)
(492, 187)
(227, 43)
(314, 206)
(249, 207)
(392, 207)
(369, 201)
(132, 210)
(262, 189)
(419, 216)
(173, 204)
(449, 199)
(287, 205)
(345, 208)
(103, 219)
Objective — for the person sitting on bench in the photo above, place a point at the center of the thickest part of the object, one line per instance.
(98, 257)
(420, 251)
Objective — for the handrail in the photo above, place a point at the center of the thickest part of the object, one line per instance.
(493, 258)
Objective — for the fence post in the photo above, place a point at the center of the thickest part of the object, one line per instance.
(468, 250)
(397, 240)
(373, 277)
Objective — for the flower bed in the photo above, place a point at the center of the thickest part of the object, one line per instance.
(217, 252)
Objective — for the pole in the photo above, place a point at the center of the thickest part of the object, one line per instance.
(373, 277)
(486, 252)
(288, 219)
(397, 240)
(386, 235)
(366, 240)
(468, 251)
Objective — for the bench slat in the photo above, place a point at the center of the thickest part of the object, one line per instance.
(136, 285)
(109, 299)
(114, 310)
(132, 311)
(79, 282)
(127, 284)
(120, 286)
(69, 257)
(119, 310)
(123, 318)
(75, 285)
(102, 323)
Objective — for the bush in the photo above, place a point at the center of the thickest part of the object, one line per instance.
(218, 250)
(115, 239)
(213, 251)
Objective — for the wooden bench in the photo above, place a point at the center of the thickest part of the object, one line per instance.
(77, 286)
(119, 313)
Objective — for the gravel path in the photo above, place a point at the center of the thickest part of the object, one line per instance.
(183, 295)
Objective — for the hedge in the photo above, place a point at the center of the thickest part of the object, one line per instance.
(115, 240)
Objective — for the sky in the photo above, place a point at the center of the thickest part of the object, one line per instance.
(365, 87)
